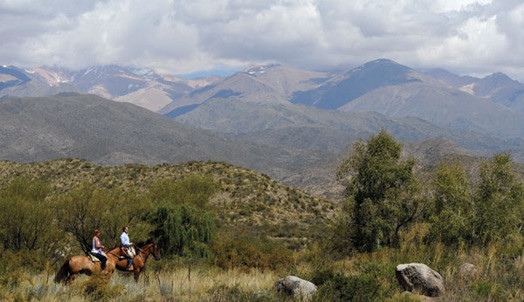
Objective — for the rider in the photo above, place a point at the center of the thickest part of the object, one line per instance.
(97, 250)
(124, 241)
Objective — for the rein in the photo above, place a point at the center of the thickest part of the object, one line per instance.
(113, 254)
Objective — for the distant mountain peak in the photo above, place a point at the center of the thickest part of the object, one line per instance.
(385, 64)
(380, 61)
(259, 69)
(498, 76)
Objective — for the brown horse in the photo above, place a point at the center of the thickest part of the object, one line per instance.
(83, 265)
(139, 262)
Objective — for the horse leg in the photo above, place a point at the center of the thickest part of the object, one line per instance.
(136, 273)
(71, 278)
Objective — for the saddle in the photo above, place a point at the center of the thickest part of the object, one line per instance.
(129, 252)
(94, 258)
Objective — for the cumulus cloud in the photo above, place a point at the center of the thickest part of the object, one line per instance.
(182, 36)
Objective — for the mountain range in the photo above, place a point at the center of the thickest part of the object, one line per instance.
(289, 123)
(111, 133)
(142, 87)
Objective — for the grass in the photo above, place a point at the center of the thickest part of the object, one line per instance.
(499, 278)
(203, 285)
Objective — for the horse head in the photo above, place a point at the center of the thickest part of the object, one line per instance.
(155, 251)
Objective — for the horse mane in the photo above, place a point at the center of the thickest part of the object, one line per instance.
(144, 243)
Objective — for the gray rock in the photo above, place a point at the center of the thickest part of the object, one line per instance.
(296, 287)
(420, 277)
(467, 270)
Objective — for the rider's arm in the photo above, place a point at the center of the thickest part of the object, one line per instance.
(98, 245)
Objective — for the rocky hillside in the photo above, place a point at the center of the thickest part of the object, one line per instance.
(245, 199)
(112, 133)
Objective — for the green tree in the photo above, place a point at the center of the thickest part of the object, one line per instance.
(499, 208)
(86, 208)
(27, 218)
(452, 217)
(184, 227)
(184, 230)
(381, 194)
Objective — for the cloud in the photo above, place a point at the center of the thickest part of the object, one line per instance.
(182, 36)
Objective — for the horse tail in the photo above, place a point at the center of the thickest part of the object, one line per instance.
(63, 272)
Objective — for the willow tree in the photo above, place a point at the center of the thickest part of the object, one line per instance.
(183, 225)
(184, 230)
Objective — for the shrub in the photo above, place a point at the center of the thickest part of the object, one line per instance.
(370, 281)
(338, 287)
(27, 220)
(98, 288)
(246, 251)
(194, 189)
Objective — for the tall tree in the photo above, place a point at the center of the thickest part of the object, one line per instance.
(381, 193)
(452, 216)
(183, 226)
(499, 208)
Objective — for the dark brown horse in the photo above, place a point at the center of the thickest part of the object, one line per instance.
(139, 262)
(83, 265)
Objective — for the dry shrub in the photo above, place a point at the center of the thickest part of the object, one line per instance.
(98, 288)
(245, 252)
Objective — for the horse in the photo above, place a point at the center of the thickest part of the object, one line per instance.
(84, 265)
(139, 261)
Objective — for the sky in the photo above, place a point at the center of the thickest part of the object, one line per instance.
(474, 37)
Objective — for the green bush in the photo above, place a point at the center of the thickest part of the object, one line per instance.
(338, 287)
(27, 218)
(246, 251)
(369, 281)
(98, 288)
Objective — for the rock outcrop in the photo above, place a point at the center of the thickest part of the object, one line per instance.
(296, 287)
(421, 278)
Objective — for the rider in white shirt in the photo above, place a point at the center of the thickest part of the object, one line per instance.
(124, 241)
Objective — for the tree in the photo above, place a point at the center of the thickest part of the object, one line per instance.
(452, 217)
(184, 230)
(183, 225)
(27, 218)
(499, 208)
(86, 208)
(380, 193)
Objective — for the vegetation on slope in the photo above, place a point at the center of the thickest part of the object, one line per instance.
(263, 229)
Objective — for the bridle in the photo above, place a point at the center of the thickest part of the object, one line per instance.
(149, 248)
